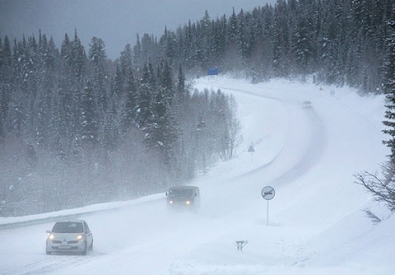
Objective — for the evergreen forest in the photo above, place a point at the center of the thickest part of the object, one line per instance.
(77, 128)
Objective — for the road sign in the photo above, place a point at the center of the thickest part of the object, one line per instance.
(268, 193)
(212, 71)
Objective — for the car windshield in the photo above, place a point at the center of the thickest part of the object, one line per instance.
(67, 227)
(181, 193)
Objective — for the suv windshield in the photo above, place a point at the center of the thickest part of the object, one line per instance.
(67, 227)
(181, 193)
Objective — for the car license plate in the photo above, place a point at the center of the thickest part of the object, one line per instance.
(63, 246)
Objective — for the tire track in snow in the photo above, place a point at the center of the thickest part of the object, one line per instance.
(313, 152)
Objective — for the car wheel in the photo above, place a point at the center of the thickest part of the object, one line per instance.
(84, 252)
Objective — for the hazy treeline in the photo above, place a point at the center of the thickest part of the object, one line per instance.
(77, 128)
(341, 42)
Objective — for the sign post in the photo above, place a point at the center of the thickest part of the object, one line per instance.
(268, 193)
(212, 71)
(251, 150)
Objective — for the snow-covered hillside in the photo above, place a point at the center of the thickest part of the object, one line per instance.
(316, 224)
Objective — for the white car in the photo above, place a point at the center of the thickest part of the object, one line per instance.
(71, 236)
(307, 104)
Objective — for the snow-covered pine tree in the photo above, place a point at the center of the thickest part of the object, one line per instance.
(97, 55)
(129, 108)
(390, 95)
(89, 121)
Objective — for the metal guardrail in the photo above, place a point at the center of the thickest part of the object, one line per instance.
(57, 217)
(35, 221)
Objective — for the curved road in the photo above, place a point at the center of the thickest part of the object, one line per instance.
(146, 238)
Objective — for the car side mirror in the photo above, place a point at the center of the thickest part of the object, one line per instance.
(167, 194)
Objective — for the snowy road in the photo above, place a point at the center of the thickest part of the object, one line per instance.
(307, 155)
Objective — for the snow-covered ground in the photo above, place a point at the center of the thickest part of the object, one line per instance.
(314, 224)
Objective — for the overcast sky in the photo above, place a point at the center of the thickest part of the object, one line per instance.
(115, 21)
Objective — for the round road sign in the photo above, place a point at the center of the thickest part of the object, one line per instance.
(268, 193)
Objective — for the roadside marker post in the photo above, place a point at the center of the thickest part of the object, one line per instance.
(251, 150)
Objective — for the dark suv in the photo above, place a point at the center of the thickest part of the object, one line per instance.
(183, 196)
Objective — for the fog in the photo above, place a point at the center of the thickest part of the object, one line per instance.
(117, 22)
(314, 224)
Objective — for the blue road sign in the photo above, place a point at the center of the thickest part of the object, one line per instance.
(212, 71)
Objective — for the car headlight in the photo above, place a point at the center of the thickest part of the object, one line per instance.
(170, 202)
(51, 236)
(80, 237)
(188, 202)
